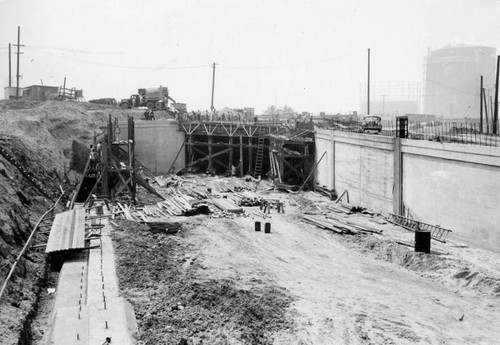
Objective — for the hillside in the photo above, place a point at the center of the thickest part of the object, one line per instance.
(48, 141)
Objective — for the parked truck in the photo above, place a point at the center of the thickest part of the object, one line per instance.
(152, 98)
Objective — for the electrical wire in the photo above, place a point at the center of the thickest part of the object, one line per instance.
(311, 62)
(162, 67)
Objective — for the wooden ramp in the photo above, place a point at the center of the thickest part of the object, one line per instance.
(67, 232)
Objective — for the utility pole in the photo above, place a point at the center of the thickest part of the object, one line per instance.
(486, 112)
(481, 106)
(18, 54)
(368, 86)
(495, 116)
(213, 86)
(10, 67)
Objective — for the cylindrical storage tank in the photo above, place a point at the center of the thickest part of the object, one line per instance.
(423, 242)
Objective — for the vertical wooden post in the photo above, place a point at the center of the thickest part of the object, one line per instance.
(481, 106)
(250, 154)
(210, 153)
(495, 110)
(111, 134)
(104, 167)
(241, 156)
(131, 141)
(230, 152)
(398, 178)
(189, 148)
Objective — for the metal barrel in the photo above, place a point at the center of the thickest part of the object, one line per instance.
(423, 241)
(257, 226)
(267, 228)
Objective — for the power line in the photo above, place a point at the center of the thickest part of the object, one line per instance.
(74, 50)
(162, 67)
(311, 62)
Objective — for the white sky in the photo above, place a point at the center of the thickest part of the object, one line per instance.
(310, 55)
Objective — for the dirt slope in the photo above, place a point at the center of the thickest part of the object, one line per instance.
(326, 288)
(41, 137)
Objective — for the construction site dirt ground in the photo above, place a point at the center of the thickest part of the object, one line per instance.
(220, 282)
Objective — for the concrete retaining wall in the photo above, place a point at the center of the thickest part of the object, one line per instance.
(452, 185)
(455, 186)
(361, 164)
(157, 144)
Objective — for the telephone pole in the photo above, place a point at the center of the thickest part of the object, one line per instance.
(213, 86)
(495, 113)
(368, 86)
(10, 67)
(481, 105)
(18, 45)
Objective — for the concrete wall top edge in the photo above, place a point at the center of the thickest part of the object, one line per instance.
(359, 137)
(460, 152)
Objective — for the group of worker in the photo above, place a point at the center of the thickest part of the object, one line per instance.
(215, 116)
(94, 157)
(149, 115)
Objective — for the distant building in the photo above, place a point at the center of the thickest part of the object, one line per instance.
(421, 117)
(452, 77)
(38, 92)
(10, 92)
(391, 97)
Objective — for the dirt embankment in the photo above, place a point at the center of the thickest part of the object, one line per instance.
(43, 144)
(174, 300)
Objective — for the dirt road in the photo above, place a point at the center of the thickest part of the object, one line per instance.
(341, 296)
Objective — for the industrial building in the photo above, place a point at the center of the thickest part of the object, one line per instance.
(452, 79)
(391, 98)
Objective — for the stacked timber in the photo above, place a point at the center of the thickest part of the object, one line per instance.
(338, 225)
(330, 193)
(177, 205)
(353, 223)
(227, 206)
(228, 185)
(328, 224)
(246, 198)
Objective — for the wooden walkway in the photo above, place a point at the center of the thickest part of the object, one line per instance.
(67, 232)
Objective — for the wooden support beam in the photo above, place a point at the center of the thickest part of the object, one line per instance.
(250, 155)
(208, 157)
(293, 168)
(231, 153)
(222, 164)
(175, 159)
(210, 153)
(241, 156)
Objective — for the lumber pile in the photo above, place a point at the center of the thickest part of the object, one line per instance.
(330, 193)
(228, 185)
(338, 225)
(329, 224)
(182, 205)
(227, 206)
(347, 208)
(353, 223)
(245, 198)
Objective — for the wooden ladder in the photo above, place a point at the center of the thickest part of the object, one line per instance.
(260, 155)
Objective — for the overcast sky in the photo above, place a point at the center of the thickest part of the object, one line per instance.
(310, 55)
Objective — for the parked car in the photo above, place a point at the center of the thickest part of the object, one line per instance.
(372, 123)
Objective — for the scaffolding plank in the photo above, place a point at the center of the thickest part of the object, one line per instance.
(67, 231)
